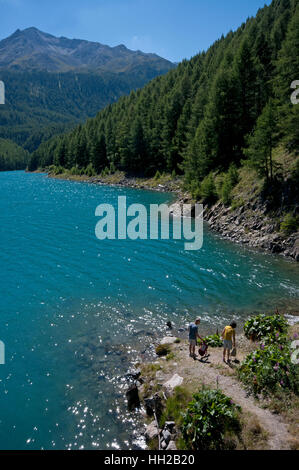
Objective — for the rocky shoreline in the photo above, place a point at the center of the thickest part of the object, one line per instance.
(248, 225)
(153, 383)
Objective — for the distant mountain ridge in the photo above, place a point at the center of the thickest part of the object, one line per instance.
(54, 83)
(32, 49)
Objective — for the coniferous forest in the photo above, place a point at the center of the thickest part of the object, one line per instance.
(52, 84)
(12, 156)
(226, 106)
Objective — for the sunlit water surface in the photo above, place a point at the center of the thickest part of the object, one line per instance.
(76, 311)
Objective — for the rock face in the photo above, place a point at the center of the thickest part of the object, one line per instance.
(295, 250)
(133, 398)
(250, 225)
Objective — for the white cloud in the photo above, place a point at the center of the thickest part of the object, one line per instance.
(143, 43)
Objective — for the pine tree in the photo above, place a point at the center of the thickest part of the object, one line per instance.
(262, 142)
(99, 158)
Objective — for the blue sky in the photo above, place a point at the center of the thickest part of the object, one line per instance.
(174, 29)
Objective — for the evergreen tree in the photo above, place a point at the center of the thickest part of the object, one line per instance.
(262, 142)
(99, 158)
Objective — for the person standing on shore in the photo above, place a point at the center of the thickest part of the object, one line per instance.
(229, 340)
(193, 335)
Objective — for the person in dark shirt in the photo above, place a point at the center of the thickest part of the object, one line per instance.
(193, 335)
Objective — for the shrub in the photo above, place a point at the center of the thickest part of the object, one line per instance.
(90, 171)
(75, 170)
(289, 224)
(212, 340)
(233, 175)
(170, 356)
(209, 418)
(105, 172)
(208, 189)
(270, 369)
(219, 183)
(195, 191)
(230, 179)
(112, 168)
(162, 349)
(262, 326)
(236, 203)
(56, 170)
(226, 191)
(157, 175)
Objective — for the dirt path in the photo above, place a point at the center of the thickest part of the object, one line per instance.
(214, 372)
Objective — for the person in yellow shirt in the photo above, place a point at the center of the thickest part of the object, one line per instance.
(229, 340)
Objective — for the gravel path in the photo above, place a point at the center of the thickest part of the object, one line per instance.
(215, 371)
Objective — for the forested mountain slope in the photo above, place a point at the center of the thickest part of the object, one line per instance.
(12, 156)
(52, 83)
(199, 117)
(224, 121)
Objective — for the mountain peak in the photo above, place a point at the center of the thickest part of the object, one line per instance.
(32, 49)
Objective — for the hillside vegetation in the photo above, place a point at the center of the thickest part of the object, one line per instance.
(226, 108)
(52, 84)
(12, 156)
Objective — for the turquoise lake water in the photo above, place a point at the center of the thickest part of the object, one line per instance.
(75, 311)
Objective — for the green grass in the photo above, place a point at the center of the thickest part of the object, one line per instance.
(175, 405)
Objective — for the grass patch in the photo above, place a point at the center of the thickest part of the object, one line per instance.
(287, 405)
(253, 436)
(289, 224)
(248, 186)
(170, 356)
(175, 405)
(149, 370)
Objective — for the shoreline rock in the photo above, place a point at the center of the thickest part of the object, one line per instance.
(247, 225)
(250, 225)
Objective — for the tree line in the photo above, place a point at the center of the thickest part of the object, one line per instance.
(12, 156)
(226, 105)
